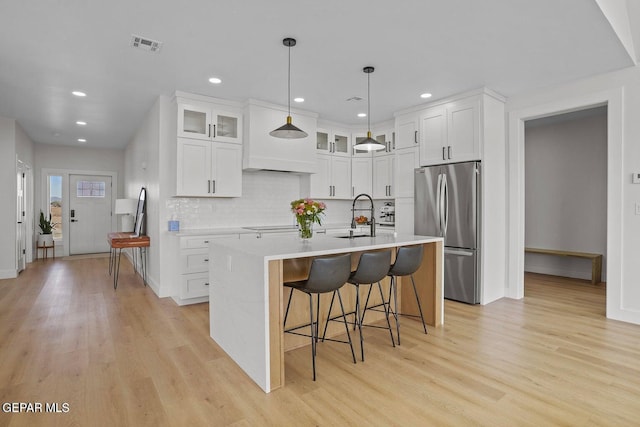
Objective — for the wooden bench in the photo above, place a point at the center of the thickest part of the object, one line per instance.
(596, 260)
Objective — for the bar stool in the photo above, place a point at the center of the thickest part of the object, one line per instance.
(327, 274)
(372, 268)
(408, 260)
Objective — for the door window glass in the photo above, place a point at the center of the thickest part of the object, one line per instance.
(55, 204)
(90, 189)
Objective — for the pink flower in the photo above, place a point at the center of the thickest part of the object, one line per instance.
(322, 205)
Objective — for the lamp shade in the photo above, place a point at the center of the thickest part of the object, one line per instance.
(125, 206)
(369, 144)
(288, 131)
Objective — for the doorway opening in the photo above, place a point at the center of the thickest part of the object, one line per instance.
(566, 194)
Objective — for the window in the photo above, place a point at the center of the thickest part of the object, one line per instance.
(90, 189)
(55, 204)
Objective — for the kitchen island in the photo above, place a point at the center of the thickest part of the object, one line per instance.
(246, 292)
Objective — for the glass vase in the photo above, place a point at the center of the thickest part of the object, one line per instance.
(306, 229)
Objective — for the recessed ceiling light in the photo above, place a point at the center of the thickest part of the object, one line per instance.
(362, 114)
(215, 80)
(425, 95)
(82, 140)
(298, 99)
(81, 123)
(78, 93)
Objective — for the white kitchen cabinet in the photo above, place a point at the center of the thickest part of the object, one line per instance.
(208, 169)
(208, 121)
(192, 282)
(407, 131)
(404, 215)
(450, 132)
(334, 142)
(406, 162)
(383, 170)
(386, 137)
(332, 179)
(361, 174)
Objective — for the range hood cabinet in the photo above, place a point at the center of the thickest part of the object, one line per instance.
(262, 151)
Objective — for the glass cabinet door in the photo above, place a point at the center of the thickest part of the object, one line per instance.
(341, 144)
(322, 141)
(227, 127)
(193, 122)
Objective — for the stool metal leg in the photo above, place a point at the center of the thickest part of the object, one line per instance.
(117, 268)
(314, 338)
(415, 291)
(346, 327)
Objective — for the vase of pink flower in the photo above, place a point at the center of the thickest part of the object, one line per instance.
(307, 212)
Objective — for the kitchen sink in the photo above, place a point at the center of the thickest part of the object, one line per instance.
(353, 237)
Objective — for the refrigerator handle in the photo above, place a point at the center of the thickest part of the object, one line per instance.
(439, 204)
(445, 204)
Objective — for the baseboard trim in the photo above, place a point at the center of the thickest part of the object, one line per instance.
(8, 274)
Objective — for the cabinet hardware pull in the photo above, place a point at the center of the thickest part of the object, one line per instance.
(444, 156)
(449, 152)
(208, 186)
(415, 136)
(206, 284)
(214, 186)
(353, 191)
(209, 130)
(206, 241)
(214, 131)
(206, 260)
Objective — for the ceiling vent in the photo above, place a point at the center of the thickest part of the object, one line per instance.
(145, 44)
(355, 98)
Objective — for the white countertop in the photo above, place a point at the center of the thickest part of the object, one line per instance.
(221, 231)
(287, 246)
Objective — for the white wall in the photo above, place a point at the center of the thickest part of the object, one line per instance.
(620, 90)
(566, 192)
(8, 186)
(14, 145)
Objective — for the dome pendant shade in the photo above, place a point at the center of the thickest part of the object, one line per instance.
(369, 144)
(288, 130)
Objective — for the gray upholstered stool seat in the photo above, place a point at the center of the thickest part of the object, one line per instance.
(327, 274)
(372, 268)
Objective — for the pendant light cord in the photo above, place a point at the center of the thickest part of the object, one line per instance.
(289, 83)
(369, 102)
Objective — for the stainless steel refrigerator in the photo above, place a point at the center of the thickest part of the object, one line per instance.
(447, 204)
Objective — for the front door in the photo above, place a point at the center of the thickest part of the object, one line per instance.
(89, 213)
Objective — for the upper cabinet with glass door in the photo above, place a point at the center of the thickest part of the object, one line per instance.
(209, 121)
(333, 142)
(387, 137)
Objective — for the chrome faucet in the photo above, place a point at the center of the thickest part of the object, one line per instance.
(372, 219)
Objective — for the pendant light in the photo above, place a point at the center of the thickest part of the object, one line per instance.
(288, 130)
(369, 144)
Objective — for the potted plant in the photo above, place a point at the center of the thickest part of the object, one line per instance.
(46, 231)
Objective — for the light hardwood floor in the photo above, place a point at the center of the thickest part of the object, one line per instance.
(126, 357)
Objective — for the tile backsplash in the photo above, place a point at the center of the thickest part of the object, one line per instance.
(266, 198)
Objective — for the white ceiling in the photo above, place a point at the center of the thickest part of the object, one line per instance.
(48, 49)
